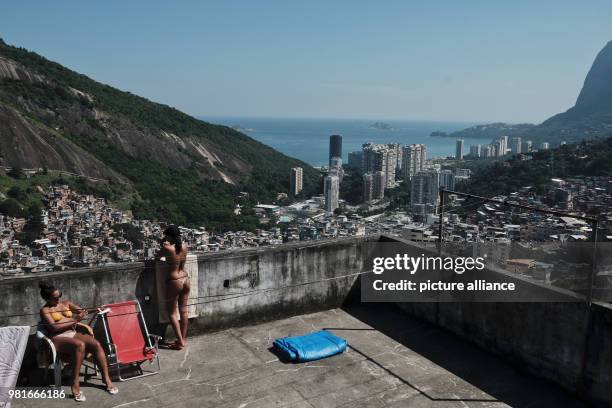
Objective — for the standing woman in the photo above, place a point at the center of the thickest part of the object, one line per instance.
(61, 319)
(177, 283)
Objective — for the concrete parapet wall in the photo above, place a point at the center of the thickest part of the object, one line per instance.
(597, 374)
(569, 343)
(548, 339)
(86, 287)
(223, 280)
(278, 281)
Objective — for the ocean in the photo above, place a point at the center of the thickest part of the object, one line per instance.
(308, 139)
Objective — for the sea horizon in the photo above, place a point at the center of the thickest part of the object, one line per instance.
(307, 139)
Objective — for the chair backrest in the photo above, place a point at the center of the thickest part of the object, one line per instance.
(45, 350)
(126, 332)
(42, 333)
(42, 330)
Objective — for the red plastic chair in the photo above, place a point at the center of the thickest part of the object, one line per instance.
(127, 340)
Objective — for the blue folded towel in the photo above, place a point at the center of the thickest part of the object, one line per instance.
(313, 346)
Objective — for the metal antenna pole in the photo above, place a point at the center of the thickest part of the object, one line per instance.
(440, 219)
(594, 266)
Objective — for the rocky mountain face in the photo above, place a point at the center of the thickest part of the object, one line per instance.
(25, 144)
(596, 94)
(55, 118)
(591, 116)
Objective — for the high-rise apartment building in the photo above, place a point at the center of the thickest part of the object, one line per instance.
(398, 156)
(380, 182)
(380, 157)
(516, 145)
(368, 187)
(413, 160)
(335, 163)
(503, 146)
(499, 147)
(475, 151)
(487, 151)
(335, 147)
(331, 189)
(447, 180)
(374, 186)
(372, 159)
(544, 146)
(335, 168)
(459, 150)
(526, 146)
(425, 188)
(297, 179)
(391, 153)
(496, 148)
(355, 159)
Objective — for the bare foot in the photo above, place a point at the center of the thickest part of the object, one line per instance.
(176, 346)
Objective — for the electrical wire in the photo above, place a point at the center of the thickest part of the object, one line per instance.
(224, 296)
(218, 298)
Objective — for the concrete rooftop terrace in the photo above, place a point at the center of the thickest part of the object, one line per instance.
(393, 361)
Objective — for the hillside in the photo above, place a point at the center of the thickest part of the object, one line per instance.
(489, 131)
(177, 168)
(586, 158)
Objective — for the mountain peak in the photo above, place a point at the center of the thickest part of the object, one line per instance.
(596, 93)
(591, 116)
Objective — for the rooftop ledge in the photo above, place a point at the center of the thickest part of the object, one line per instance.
(415, 354)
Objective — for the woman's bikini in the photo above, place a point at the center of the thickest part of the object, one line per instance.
(177, 267)
(60, 316)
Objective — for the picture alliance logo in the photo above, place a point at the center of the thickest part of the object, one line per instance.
(404, 262)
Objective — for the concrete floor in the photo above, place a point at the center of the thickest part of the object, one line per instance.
(393, 361)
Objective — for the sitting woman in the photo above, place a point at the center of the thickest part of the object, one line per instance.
(174, 252)
(61, 320)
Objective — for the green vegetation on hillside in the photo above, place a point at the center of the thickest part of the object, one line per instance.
(157, 189)
(489, 131)
(587, 158)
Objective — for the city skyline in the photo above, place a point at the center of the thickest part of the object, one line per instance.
(259, 196)
(402, 61)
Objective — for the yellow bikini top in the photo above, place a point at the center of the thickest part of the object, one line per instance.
(57, 316)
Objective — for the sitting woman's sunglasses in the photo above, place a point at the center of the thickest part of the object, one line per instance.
(57, 297)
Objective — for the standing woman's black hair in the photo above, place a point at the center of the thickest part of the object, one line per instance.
(175, 234)
(46, 289)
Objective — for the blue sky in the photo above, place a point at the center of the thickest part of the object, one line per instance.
(457, 60)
